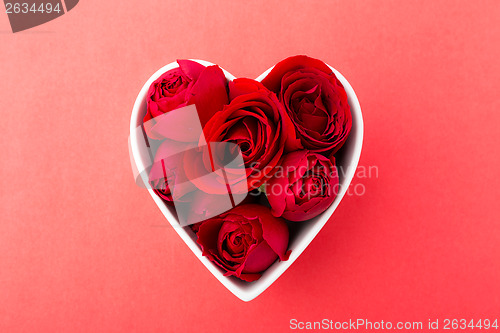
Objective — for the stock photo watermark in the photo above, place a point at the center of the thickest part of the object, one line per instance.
(432, 324)
(27, 14)
(205, 179)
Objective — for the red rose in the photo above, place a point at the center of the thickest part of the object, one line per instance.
(256, 122)
(315, 100)
(244, 241)
(304, 186)
(190, 83)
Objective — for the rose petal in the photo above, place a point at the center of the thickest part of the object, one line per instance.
(208, 234)
(275, 230)
(190, 68)
(273, 80)
(261, 257)
(209, 94)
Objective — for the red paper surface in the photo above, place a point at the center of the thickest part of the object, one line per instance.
(83, 249)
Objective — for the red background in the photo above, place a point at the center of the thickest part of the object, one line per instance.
(82, 248)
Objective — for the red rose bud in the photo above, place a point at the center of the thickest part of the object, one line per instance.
(304, 186)
(244, 241)
(190, 83)
(315, 100)
(255, 121)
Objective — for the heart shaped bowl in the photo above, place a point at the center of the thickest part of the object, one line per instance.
(301, 233)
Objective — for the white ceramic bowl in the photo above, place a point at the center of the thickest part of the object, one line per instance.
(301, 234)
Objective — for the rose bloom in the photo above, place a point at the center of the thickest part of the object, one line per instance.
(190, 83)
(315, 100)
(304, 186)
(255, 122)
(244, 241)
